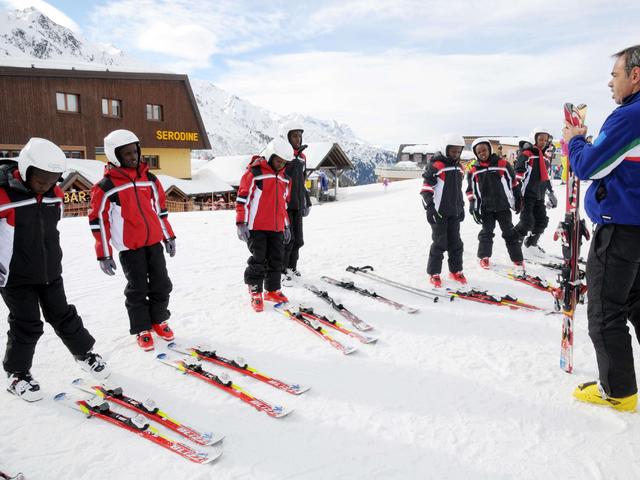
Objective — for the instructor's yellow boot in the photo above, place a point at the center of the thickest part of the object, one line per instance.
(590, 392)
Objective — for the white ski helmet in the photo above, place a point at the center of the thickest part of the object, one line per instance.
(116, 139)
(42, 154)
(480, 140)
(290, 126)
(451, 140)
(537, 131)
(280, 147)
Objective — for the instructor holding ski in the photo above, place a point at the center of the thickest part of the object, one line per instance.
(613, 266)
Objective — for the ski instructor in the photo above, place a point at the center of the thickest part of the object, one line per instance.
(613, 265)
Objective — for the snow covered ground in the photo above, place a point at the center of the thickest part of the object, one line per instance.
(459, 390)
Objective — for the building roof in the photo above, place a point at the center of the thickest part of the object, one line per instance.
(229, 168)
(109, 75)
(419, 148)
(325, 155)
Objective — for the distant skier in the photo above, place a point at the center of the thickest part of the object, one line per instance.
(128, 211)
(442, 199)
(262, 221)
(531, 172)
(492, 191)
(299, 204)
(31, 266)
(385, 184)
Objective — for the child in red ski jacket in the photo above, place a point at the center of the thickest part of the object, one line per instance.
(128, 212)
(262, 220)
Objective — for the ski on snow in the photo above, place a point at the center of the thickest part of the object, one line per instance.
(309, 313)
(315, 327)
(368, 293)
(238, 365)
(137, 425)
(149, 409)
(18, 476)
(353, 318)
(223, 382)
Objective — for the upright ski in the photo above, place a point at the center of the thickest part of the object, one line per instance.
(308, 313)
(149, 409)
(314, 327)
(240, 366)
(368, 293)
(570, 231)
(136, 425)
(223, 382)
(353, 318)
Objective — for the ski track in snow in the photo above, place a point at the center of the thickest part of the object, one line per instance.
(459, 390)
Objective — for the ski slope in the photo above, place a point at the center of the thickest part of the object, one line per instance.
(459, 390)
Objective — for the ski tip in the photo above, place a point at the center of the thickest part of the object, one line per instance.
(299, 389)
(350, 350)
(279, 411)
(172, 345)
(60, 396)
(211, 456)
(162, 356)
(212, 439)
(77, 381)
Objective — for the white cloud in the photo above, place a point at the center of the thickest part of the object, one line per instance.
(49, 10)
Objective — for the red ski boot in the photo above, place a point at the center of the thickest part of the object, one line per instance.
(484, 263)
(458, 277)
(435, 280)
(276, 297)
(163, 330)
(256, 301)
(145, 340)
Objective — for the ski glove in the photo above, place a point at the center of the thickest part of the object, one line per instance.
(517, 200)
(287, 235)
(552, 201)
(432, 214)
(243, 232)
(108, 266)
(474, 213)
(170, 247)
(3, 274)
(306, 210)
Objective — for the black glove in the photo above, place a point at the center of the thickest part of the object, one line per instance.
(474, 213)
(243, 232)
(170, 246)
(287, 235)
(552, 201)
(108, 266)
(306, 210)
(517, 200)
(432, 214)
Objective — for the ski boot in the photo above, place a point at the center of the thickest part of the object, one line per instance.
(93, 364)
(256, 298)
(484, 263)
(518, 268)
(592, 392)
(287, 278)
(458, 277)
(22, 385)
(435, 280)
(163, 330)
(276, 296)
(295, 273)
(145, 340)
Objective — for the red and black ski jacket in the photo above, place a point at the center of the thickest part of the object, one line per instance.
(531, 172)
(296, 170)
(262, 197)
(442, 186)
(128, 210)
(29, 239)
(491, 184)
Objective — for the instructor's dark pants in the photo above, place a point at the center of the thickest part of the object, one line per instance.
(264, 266)
(148, 287)
(445, 237)
(613, 277)
(291, 250)
(511, 237)
(25, 327)
(533, 218)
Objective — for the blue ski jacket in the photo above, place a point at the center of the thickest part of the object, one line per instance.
(613, 163)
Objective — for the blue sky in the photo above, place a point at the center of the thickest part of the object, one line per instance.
(401, 71)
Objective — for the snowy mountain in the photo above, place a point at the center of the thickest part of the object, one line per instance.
(234, 125)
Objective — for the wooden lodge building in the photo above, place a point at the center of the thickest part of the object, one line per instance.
(76, 109)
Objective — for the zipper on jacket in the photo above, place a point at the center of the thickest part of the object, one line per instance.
(42, 239)
(144, 218)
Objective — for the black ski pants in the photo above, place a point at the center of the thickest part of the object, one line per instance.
(264, 266)
(25, 327)
(291, 250)
(511, 237)
(445, 237)
(148, 287)
(533, 218)
(613, 277)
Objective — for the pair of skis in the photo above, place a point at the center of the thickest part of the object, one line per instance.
(570, 231)
(145, 411)
(356, 321)
(368, 293)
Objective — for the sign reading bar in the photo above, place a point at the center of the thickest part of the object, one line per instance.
(177, 136)
(77, 197)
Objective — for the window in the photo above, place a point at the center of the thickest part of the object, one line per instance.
(111, 108)
(154, 112)
(152, 160)
(67, 102)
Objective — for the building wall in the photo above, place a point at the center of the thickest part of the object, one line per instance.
(173, 161)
